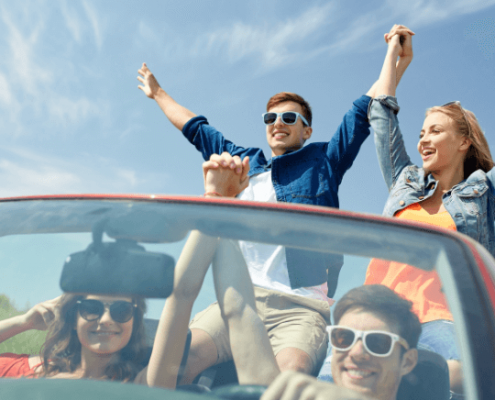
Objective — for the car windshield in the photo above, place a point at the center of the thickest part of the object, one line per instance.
(41, 239)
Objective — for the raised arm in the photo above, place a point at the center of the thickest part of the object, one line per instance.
(392, 155)
(251, 349)
(190, 271)
(253, 356)
(39, 317)
(176, 113)
(171, 333)
(405, 55)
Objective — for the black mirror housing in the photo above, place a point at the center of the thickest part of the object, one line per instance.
(119, 268)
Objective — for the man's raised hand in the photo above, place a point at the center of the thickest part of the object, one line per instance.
(150, 85)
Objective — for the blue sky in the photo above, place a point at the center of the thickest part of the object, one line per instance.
(73, 120)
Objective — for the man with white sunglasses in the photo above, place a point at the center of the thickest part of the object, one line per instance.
(373, 343)
(299, 282)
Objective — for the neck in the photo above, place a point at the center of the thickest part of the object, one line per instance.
(448, 179)
(93, 365)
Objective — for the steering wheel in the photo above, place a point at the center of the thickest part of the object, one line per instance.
(239, 392)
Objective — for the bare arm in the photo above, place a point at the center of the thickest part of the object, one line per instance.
(39, 317)
(387, 82)
(251, 349)
(171, 333)
(176, 113)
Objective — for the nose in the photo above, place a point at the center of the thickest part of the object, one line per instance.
(358, 350)
(106, 318)
(423, 139)
(278, 121)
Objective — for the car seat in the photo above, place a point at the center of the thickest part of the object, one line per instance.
(429, 380)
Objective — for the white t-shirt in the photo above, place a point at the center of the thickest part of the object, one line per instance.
(266, 263)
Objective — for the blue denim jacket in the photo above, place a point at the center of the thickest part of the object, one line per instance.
(471, 203)
(310, 175)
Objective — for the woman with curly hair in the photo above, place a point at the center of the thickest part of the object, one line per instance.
(88, 337)
(102, 336)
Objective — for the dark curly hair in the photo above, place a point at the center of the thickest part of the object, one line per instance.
(61, 351)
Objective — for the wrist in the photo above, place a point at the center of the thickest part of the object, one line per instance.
(159, 94)
(212, 193)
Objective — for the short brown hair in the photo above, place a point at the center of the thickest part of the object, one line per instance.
(287, 96)
(381, 300)
(478, 155)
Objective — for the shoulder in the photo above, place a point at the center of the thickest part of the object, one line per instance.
(14, 365)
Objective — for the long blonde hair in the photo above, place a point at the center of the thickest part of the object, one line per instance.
(478, 155)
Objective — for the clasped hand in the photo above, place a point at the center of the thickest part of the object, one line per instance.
(225, 175)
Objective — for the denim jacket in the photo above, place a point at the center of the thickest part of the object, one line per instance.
(471, 203)
(310, 175)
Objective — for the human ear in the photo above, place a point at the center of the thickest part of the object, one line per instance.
(465, 144)
(409, 361)
(307, 132)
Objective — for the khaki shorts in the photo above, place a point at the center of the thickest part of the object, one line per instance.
(290, 320)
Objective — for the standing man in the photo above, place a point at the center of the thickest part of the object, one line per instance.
(291, 286)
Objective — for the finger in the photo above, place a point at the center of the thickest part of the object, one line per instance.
(207, 165)
(218, 159)
(54, 302)
(48, 316)
(275, 390)
(309, 393)
(237, 164)
(245, 168)
(140, 79)
(293, 390)
(228, 159)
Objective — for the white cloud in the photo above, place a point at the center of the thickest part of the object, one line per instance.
(37, 83)
(24, 172)
(72, 21)
(418, 13)
(67, 111)
(6, 96)
(273, 45)
(93, 18)
(296, 40)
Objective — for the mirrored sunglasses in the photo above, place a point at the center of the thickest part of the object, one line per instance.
(377, 343)
(288, 118)
(121, 311)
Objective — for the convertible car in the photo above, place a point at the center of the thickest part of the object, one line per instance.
(42, 252)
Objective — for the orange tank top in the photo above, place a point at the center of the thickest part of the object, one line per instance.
(421, 287)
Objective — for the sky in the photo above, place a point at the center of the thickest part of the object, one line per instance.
(72, 119)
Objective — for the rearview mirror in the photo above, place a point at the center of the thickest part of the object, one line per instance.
(122, 267)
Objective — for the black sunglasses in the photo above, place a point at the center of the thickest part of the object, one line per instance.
(121, 311)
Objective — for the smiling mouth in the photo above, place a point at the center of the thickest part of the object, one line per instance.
(358, 373)
(427, 153)
(104, 333)
(280, 135)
